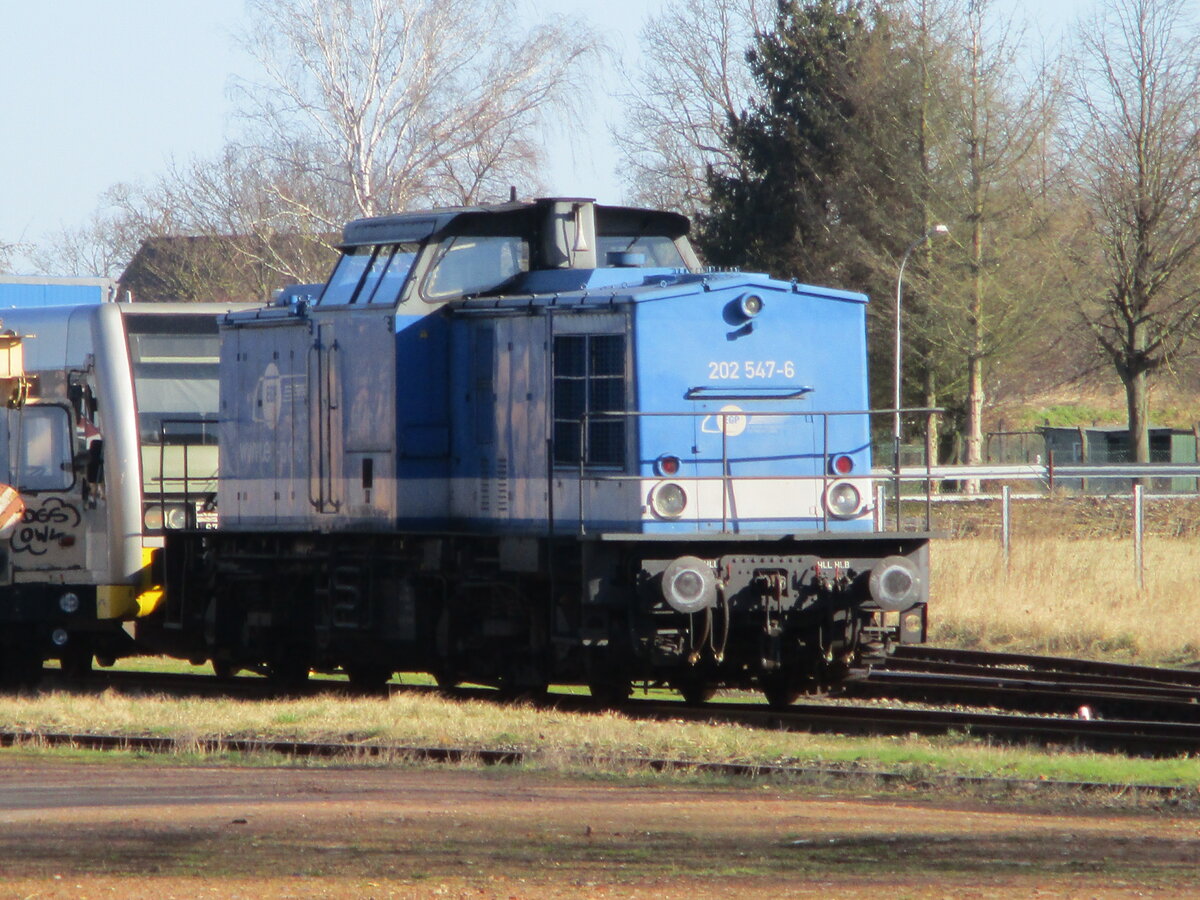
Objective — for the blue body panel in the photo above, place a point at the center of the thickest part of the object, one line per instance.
(545, 405)
(31, 292)
(777, 382)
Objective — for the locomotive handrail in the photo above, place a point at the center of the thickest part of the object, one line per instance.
(825, 476)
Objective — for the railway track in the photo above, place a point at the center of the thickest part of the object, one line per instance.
(1131, 735)
(1031, 684)
(456, 755)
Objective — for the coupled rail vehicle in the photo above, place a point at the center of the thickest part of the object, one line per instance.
(108, 439)
(537, 443)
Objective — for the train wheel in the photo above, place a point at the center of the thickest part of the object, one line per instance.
(446, 680)
(370, 679)
(781, 689)
(611, 692)
(224, 669)
(695, 691)
(76, 660)
(288, 675)
(20, 668)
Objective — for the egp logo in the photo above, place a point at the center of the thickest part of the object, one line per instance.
(731, 420)
(270, 395)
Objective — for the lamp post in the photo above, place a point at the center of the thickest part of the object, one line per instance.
(935, 230)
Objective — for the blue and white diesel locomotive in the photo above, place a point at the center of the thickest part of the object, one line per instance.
(536, 443)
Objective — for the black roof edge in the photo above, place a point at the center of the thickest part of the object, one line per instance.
(418, 225)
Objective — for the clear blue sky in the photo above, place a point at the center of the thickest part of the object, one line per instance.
(93, 92)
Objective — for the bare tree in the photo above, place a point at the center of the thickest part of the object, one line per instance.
(395, 103)
(1001, 124)
(1137, 140)
(363, 107)
(7, 251)
(692, 80)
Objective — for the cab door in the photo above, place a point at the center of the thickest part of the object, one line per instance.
(54, 533)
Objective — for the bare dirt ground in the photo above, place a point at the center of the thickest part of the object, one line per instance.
(129, 830)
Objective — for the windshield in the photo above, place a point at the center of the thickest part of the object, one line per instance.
(39, 448)
(658, 251)
(175, 375)
(370, 275)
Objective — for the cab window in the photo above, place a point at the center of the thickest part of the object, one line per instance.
(39, 450)
(657, 250)
(388, 274)
(475, 264)
(370, 275)
(347, 276)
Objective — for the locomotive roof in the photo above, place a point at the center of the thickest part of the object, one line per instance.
(421, 224)
(618, 287)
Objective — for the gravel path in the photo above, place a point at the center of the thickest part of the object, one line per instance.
(144, 830)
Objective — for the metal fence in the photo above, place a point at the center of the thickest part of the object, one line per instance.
(1039, 481)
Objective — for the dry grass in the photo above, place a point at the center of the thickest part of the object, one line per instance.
(418, 718)
(1069, 596)
(599, 744)
(1070, 516)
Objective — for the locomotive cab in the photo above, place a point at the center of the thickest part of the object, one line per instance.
(72, 548)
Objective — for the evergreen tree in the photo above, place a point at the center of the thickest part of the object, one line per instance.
(783, 206)
(872, 122)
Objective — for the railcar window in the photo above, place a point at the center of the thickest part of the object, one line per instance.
(40, 457)
(175, 375)
(589, 381)
(476, 264)
(374, 274)
(659, 250)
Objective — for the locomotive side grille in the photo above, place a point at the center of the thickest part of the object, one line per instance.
(501, 485)
(589, 380)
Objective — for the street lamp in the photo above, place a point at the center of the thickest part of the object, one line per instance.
(935, 230)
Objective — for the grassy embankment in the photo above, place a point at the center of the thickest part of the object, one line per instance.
(601, 743)
(1070, 587)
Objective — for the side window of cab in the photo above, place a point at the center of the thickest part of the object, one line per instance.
(469, 265)
(39, 448)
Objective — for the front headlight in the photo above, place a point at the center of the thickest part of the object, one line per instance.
(668, 500)
(172, 516)
(844, 500)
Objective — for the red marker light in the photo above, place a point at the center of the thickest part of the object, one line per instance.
(667, 465)
(841, 465)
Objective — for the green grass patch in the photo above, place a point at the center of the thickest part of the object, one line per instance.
(1069, 414)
